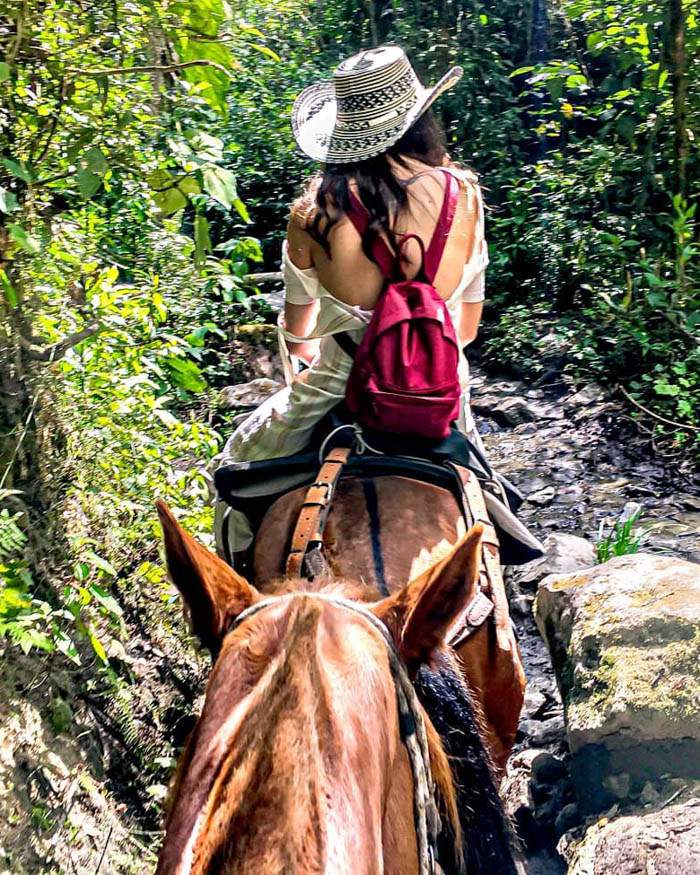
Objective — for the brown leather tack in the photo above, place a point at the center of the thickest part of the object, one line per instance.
(491, 578)
(314, 511)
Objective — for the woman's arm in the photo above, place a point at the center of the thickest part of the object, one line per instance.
(299, 319)
(469, 320)
(477, 253)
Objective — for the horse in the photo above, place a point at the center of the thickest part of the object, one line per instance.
(312, 754)
(384, 530)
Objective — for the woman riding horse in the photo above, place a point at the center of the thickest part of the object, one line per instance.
(379, 142)
(386, 176)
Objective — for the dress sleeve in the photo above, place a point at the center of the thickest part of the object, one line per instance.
(300, 286)
(475, 291)
(475, 267)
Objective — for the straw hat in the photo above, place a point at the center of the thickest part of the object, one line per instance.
(372, 100)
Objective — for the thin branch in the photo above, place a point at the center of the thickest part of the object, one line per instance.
(651, 413)
(104, 850)
(150, 68)
(13, 52)
(19, 443)
(669, 318)
(273, 277)
(60, 348)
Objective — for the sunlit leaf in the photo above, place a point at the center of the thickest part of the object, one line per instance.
(202, 242)
(8, 289)
(17, 169)
(220, 183)
(107, 600)
(265, 50)
(26, 241)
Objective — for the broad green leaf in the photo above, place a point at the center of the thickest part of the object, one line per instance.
(98, 562)
(96, 161)
(106, 600)
(17, 169)
(4, 71)
(160, 180)
(97, 646)
(189, 185)
(220, 183)
(521, 70)
(202, 242)
(185, 374)
(88, 182)
(170, 201)
(65, 645)
(594, 40)
(8, 289)
(241, 209)
(23, 239)
(265, 50)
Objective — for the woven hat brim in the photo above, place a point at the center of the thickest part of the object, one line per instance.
(314, 123)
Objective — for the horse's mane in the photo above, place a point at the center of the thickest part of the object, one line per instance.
(487, 837)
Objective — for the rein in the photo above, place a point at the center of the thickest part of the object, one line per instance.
(411, 727)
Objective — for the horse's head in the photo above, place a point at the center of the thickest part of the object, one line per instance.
(297, 762)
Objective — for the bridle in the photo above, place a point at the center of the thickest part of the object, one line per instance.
(411, 727)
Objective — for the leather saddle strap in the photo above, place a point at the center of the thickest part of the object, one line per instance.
(475, 512)
(314, 511)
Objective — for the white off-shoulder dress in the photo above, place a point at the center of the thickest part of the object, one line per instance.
(283, 424)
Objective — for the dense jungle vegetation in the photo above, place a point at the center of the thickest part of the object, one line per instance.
(146, 167)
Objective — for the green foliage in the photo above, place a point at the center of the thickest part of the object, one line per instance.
(622, 540)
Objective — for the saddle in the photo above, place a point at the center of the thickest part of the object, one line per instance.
(252, 487)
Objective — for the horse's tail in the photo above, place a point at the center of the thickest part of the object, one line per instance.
(488, 838)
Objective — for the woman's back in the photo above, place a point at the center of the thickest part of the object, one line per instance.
(356, 280)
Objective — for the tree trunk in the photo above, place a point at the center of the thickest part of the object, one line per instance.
(677, 17)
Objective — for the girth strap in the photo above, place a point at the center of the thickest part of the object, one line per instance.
(308, 532)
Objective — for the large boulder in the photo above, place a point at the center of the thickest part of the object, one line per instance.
(625, 643)
(663, 842)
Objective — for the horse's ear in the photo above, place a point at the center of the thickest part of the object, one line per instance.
(420, 615)
(213, 592)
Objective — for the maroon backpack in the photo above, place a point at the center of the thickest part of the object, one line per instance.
(404, 375)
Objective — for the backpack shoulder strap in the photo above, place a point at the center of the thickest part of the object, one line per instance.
(359, 216)
(433, 254)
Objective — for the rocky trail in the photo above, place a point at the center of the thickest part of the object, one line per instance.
(563, 450)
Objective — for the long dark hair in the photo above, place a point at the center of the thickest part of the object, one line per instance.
(326, 197)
